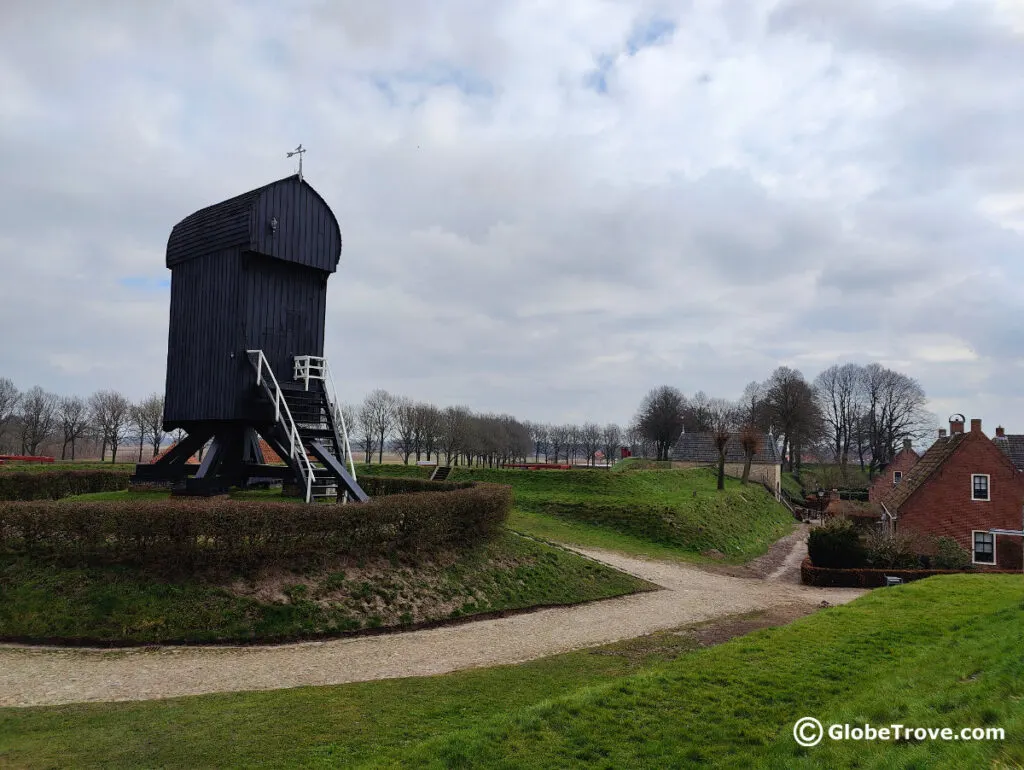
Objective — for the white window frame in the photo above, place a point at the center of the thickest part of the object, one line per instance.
(974, 550)
(897, 477)
(988, 488)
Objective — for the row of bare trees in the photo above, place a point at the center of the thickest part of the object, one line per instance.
(384, 422)
(415, 429)
(35, 418)
(848, 411)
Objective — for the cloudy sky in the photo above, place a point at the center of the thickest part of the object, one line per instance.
(548, 208)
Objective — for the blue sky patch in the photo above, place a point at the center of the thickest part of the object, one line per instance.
(144, 283)
(653, 31)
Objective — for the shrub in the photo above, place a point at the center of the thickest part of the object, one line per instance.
(891, 550)
(220, 533)
(53, 485)
(871, 578)
(836, 543)
(949, 554)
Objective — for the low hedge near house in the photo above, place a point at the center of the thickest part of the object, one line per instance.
(826, 577)
(53, 485)
(220, 533)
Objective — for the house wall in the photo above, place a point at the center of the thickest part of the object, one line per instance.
(759, 472)
(903, 461)
(942, 506)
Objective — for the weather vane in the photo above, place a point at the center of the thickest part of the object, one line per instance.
(298, 151)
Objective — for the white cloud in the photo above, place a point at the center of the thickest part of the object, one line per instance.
(797, 183)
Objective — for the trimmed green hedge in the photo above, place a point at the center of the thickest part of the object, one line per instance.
(863, 577)
(220, 533)
(53, 485)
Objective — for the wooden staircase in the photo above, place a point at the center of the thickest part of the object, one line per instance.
(441, 472)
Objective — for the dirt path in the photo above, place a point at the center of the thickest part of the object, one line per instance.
(42, 676)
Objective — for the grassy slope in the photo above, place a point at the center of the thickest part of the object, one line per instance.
(741, 521)
(120, 604)
(939, 652)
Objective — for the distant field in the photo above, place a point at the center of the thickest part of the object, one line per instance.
(66, 466)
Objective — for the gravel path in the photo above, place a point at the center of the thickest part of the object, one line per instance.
(31, 676)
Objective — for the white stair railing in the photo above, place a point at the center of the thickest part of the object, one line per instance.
(317, 368)
(283, 415)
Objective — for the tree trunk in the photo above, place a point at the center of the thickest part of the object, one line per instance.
(721, 471)
(64, 451)
(746, 469)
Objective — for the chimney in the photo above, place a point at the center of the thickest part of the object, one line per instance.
(975, 426)
(907, 444)
(956, 426)
(942, 432)
(1000, 432)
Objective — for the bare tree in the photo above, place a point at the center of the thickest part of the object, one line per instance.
(539, 437)
(111, 412)
(151, 411)
(38, 413)
(611, 440)
(721, 417)
(382, 407)
(837, 392)
(573, 443)
(590, 440)
(455, 429)
(365, 430)
(137, 426)
(751, 440)
(9, 398)
(660, 418)
(894, 406)
(430, 416)
(558, 437)
(404, 415)
(73, 414)
(697, 413)
(794, 412)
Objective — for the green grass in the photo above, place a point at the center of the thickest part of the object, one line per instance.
(940, 652)
(410, 471)
(640, 464)
(678, 511)
(559, 530)
(120, 604)
(78, 465)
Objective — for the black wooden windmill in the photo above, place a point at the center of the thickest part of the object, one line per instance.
(245, 354)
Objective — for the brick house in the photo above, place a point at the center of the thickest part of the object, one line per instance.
(962, 487)
(698, 450)
(1012, 446)
(894, 472)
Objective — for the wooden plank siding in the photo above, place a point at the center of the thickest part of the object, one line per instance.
(236, 284)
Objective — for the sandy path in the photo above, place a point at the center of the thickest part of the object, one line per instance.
(42, 676)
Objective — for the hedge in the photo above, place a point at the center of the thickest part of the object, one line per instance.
(53, 485)
(826, 577)
(221, 533)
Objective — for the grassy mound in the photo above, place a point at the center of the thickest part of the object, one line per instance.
(680, 509)
(122, 605)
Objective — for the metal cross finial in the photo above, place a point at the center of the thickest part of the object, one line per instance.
(300, 150)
